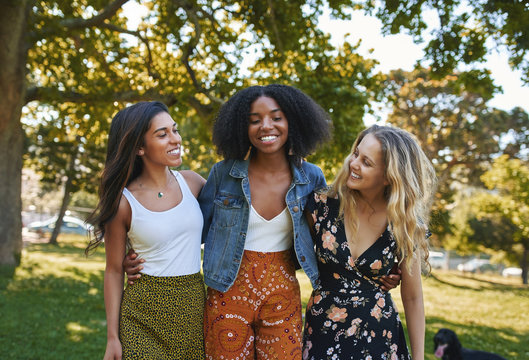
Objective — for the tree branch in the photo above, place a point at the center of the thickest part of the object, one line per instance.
(52, 94)
(188, 50)
(115, 28)
(80, 23)
(103, 15)
(272, 14)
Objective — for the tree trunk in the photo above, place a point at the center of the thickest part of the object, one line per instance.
(13, 56)
(66, 197)
(524, 264)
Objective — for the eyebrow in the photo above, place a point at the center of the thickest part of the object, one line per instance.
(272, 111)
(163, 128)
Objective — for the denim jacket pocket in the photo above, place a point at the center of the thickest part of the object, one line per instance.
(227, 209)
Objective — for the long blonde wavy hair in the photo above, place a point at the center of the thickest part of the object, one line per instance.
(409, 193)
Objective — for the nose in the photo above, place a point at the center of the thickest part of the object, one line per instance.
(175, 137)
(267, 122)
(353, 162)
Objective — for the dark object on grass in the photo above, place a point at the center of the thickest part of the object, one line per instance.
(448, 347)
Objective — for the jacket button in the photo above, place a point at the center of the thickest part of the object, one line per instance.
(303, 259)
(226, 202)
(296, 209)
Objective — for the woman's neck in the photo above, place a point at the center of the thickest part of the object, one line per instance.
(270, 163)
(373, 204)
(155, 177)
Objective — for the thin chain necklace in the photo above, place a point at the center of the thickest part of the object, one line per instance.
(160, 193)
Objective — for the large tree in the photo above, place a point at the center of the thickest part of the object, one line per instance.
(80, 59)
(456, 128)
(192, 55)
(498, 219)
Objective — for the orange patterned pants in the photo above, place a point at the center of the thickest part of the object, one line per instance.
(259, 317)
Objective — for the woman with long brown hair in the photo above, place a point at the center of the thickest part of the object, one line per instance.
(144, 202)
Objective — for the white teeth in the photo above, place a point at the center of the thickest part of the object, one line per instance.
(354, 176)
(174, 152)
(268, 138)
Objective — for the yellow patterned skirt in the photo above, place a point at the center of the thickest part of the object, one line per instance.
(162, 318)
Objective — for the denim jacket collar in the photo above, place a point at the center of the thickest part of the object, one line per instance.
(239, 169)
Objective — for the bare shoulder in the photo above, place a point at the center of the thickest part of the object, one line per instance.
(124, 213)
(193, 180)
(116, 229)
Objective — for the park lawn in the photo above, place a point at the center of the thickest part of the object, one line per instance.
(53, 307)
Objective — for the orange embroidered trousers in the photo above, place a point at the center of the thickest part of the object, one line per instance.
(259, 317)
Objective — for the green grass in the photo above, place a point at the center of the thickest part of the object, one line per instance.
(53, 307)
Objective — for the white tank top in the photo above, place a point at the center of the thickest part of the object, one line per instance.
(269, 235)
(170, 240)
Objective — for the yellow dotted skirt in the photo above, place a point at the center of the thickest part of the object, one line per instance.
(162, 318)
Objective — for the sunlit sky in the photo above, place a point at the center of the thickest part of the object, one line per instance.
(399, 51)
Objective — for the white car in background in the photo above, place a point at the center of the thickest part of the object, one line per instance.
(70, 225)
(511, 271)
(473, 265)
(437, 259)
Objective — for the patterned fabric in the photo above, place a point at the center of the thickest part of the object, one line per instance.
(259, 317)
(348, 316)
(162, 318)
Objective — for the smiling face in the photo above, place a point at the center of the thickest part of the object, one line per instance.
(268, 126)
(367, 168)
(162, 142)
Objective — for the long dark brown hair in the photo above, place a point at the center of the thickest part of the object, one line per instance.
(122, 164)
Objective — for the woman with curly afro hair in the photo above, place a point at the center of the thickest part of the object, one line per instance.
(254, 230)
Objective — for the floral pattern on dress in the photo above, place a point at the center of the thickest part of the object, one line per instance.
(348, 316)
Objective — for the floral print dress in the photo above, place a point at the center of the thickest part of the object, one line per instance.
(348, 316)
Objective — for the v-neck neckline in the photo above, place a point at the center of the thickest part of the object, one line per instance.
(354, 261)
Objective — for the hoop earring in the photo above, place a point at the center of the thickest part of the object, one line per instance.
(247, 156)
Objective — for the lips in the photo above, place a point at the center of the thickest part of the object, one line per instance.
(355, 176)
(174, 151)
(268, 138)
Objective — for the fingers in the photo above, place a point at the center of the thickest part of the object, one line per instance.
(389, 282)
(385, 286)
(132, 261)
(133, 267)
(132, 254)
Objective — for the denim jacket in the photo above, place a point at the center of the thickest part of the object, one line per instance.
(225, 203)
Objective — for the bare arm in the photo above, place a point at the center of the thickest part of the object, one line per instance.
(412, 299)
(115, 240)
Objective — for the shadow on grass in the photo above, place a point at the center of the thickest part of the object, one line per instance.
(507, 342)
(6, 274)
(486, 284)
(53, 317)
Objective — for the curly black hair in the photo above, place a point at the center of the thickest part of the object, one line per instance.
(308, 122)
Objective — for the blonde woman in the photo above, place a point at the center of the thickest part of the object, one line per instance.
(374, 215)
